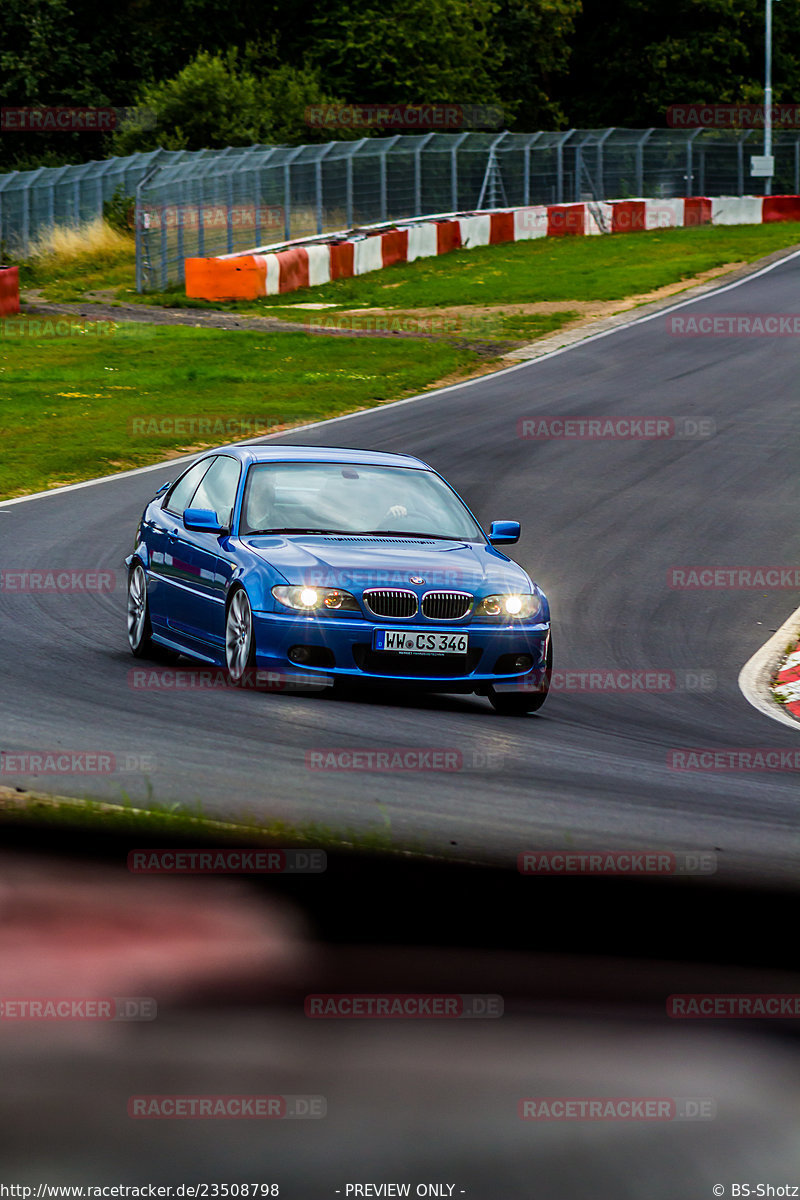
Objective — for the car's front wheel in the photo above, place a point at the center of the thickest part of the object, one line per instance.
(240, 646)
(518, 704)
(140, 631)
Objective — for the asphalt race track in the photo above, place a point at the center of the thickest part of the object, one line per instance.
(603, 522)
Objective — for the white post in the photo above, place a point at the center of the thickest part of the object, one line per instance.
(768, 91)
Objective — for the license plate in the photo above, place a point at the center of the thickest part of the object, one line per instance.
(414, 641)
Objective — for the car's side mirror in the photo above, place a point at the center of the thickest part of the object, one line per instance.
(163, 488)
(203, 520)
(504, 533)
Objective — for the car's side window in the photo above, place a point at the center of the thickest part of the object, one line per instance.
(179, 496)
(217, 489)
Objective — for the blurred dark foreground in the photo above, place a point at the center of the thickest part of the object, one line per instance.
(584, 968)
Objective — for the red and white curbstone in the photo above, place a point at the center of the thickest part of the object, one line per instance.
(786, 685)
(269, 271)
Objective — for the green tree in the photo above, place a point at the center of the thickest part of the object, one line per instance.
(636, 58)
(535, 37)
(44, 61)
(219, 100)
(407, 51)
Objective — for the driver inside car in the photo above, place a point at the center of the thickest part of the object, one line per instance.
(354, 496)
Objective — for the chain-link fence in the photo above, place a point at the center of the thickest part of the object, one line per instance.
(268, 196)
(32, 202)
(221, 201)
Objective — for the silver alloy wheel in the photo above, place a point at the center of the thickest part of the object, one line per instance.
(238, 636)
(137, 607)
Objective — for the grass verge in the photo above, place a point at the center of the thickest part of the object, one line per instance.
(72, 408)
(65, 263)
(178, 823)
(548, 269)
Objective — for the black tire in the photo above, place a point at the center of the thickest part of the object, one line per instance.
(518, 704)
(140, 631)
(240, 643)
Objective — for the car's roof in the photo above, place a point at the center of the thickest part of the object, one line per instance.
(332, 454)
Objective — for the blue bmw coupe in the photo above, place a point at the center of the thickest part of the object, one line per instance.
(328, 565)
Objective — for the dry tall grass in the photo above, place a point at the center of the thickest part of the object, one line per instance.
(68, 245)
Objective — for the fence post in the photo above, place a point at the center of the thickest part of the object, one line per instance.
(229, 214)
(640, 161)
(26, 218)
(201, 229)
(601, 187)
(689, 144)
(164, 262)
(418, 174)
(560, 165)
(324, 151)
(179, 229)
(454, 172)
(384, 198)
(5, 180)
(348, 192)
(27, 207)
(257, 208)
(287, 203)
(526, 169)
(318, 188)
(702, 170)
(287, 194)
(140, 230)
(384, 153)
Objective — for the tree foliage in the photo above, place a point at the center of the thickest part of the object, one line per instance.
(220, 100)
(230, 74)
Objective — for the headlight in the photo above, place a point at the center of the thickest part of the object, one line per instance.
(315, 599)
(508, 606)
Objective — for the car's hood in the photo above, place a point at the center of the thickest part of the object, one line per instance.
(361, 562)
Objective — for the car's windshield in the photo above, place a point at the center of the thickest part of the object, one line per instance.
(353, 498)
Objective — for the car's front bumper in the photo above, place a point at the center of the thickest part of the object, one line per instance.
(349, 642)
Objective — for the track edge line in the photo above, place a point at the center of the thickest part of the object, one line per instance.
(756, 674)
